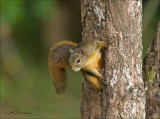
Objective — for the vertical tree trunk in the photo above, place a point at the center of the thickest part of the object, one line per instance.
(123, 88)
(153, 78)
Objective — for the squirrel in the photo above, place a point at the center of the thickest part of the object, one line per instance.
(86, 56)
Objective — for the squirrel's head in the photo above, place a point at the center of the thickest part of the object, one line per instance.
(77, 59)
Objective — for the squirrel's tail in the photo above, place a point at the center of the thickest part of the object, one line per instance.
(58, 61)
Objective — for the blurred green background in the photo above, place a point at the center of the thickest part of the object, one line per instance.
(28, 29)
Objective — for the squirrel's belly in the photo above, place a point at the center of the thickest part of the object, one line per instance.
(94, 62)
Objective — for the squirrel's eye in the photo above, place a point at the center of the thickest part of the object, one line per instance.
(78, 60)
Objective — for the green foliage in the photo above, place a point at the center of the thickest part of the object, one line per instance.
(42, 9)
(13, 11)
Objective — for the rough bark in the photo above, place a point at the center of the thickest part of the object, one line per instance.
(119, 21)
(153, 78)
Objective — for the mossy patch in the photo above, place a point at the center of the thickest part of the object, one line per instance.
(150, 75)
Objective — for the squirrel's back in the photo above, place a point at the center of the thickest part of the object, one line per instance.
(58, 60)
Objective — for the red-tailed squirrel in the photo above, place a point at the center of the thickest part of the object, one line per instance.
(86, 56)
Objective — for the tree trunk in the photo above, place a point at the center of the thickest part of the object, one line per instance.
(153, 78)
(119, 21)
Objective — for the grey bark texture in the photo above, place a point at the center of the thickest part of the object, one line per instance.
(152, 75)
(123, 95)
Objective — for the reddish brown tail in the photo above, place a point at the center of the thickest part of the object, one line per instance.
(58, 61)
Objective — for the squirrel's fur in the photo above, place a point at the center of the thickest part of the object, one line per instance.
(86, 56)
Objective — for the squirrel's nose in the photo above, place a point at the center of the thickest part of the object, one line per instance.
(73, 69)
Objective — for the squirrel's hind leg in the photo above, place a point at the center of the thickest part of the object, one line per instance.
(93, 80)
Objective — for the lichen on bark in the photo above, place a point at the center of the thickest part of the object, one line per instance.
(150, 75)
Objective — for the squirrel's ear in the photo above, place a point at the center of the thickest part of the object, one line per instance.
(70, 50)
(100, 44)
(81, 52)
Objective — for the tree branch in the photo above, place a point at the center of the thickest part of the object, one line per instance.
(153, 77)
